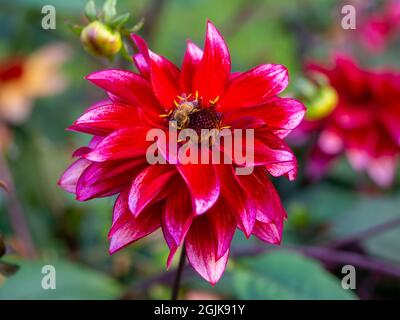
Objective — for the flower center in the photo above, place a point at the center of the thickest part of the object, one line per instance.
(190, 114)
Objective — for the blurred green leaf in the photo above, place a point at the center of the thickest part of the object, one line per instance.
(318, 200)
(60, 5)
(120, 21)
(73, 281)
(135, 28)
(90, 10)
(285, 275)
(109, 10)
(366, 214)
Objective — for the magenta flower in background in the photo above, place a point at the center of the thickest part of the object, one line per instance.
(377, 29)
(364, 125)
(198, 205)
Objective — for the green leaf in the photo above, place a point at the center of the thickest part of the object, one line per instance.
(367, 213)
(285, 275)
(120, 21)
(125, 53)
(318, 200)
(75, 28)
(90, 10)
(137, 26)
(73, 281)
(109, 10)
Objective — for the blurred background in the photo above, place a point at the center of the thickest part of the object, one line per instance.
(343, 219)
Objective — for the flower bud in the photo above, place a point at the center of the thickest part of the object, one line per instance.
(322, 104)
(101, 40)
(317, 94)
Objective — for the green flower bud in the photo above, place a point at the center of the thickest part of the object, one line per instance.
(99, 39)
(322, 104)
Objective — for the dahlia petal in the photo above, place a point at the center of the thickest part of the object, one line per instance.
(382, 170)
(360, 146)
(275, 154)
(224, 224)
(391, 120)
(121, 144)
(348, 117)
(171, 255)
(119, 211)
(268, 150)
(349, 75)
(164, 80)
(102, 179)
(255, 86)
(269, 232)
(239, 201)
(173, 247)
(234, 75)
(213, 71)
(200, 245)
(246, 122)
(358, 158)
(142, 47)
(346, 75)
(265, 154)
(128, 229)
(263, 195)
(203, 184)
(70, 177)
(178, 213)
(128, 87)
(330, 141)
(147, 185)
(107, 118)
(281, 115)
(80, 152)
(94, 142)
(99, 104)
(190, 64)
(142, 65)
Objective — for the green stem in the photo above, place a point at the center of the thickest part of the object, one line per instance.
(178, 276)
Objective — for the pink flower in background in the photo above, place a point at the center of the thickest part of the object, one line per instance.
(198, 205)
(365, 125)
(26, 78)
(23, 79)
(379, 28)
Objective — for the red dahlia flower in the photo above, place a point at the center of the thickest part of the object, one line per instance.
(364, 125)
(198, 205)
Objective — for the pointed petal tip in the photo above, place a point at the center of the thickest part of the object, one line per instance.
(171, 258)
(210, 24)
(247, 228)
(91, 76)
(112, 248)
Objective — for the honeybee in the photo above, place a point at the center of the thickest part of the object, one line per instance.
(182, 112)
